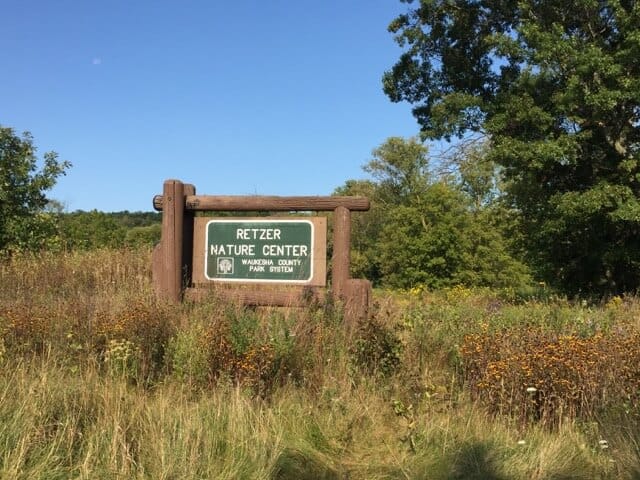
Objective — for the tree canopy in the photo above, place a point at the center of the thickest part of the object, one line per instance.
(24, 222)
(555, 87)
(82, 230)
(425, 229)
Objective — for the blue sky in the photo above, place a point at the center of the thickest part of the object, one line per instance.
(272, 97)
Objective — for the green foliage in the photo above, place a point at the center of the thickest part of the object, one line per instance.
(479, 176)
(90, 230)
(376, 349)
(425, 244)
(24, 222)
(143, 236)
(490, 258)
(243, 330)
(555, 87)
(130, 220)
(400, 167)
(189, 355)
(31, 221)
(431, 230)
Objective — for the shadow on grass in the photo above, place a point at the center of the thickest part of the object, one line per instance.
(475, 461)
(296, 465)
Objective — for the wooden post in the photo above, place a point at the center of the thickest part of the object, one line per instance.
(341, 253)
(187, 240)
(172, 230)
(356, 305)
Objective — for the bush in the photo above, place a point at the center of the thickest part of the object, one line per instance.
(189, 353)
(376, 349)
(145, 236)
(140, 329)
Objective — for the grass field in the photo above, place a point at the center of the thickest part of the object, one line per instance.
(99, 381)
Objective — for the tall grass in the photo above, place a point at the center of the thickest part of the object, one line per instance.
(99, 380)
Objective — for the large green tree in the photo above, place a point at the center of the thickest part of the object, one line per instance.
(427, 229)
(555, 87)
(24, 221)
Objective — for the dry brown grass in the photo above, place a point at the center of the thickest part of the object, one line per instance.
(99, 380)
(548, 378)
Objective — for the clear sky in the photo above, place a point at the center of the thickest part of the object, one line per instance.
(267, 97)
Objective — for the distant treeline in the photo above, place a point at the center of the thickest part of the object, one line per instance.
(94, 229)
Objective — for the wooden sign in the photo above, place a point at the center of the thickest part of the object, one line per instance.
(282, 250)
(266, 261)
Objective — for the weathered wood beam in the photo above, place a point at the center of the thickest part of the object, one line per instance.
(268, 203)
(292, 297)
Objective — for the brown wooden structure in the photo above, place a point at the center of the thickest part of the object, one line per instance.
(173, 256)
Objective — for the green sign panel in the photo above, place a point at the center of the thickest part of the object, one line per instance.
(259, 251)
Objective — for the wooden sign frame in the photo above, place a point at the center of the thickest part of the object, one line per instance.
(178, 272)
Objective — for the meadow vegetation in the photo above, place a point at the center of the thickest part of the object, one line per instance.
(99, 380)
(466, 367)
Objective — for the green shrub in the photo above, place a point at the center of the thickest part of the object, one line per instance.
(376, 349)
(189, 353)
